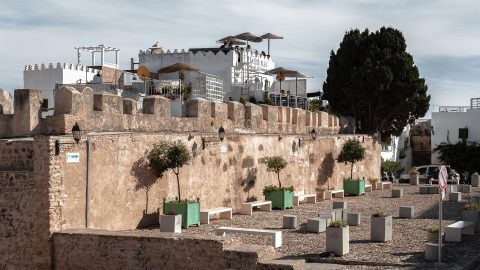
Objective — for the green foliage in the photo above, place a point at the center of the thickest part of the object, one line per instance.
(338, 224)
(472, 206)
(352, 151)
(319, 189)
(378, 214)
(460, 156)
(168, 155)
(242, 100)
(252, 99)
(373, 78)
(275, 164)
(413, 171)
(266, 99)
(391, 166)
(268, 189)
(314, 105)
(433, 228)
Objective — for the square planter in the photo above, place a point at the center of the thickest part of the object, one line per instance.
(354, 187)
(474, 180)
(281, 199)
(414, 179)
(171, 223)
(338, 240)
(190, 211)
(472, 215)
(381, 229)
(320, 195)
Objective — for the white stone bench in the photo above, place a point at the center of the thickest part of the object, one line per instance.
(225, 213)
(276, 235)
(311, 198)
(329, 194)
(247, 208)
(384, 185)
(368, 187)
(454, 231)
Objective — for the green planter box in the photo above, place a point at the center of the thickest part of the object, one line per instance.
(354, 187)
(190, 211)
(281, 199)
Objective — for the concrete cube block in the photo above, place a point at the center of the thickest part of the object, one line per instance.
(455, 196)
(433, 190)
(475, 180)
(339, 204)
(316, 225)
(381, 229)
(353, 219)
(290, 222)
(338, 213)
(397, 192)
(451, 188)
(407, 211)
(338, 240)
(171, 223)
(431, 252)
(423, 189)
(465, 188)
(328, 214)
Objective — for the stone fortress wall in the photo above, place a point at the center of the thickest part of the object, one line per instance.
(42, 194)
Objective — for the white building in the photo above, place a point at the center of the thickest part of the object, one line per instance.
(450, 121)
(242, 70)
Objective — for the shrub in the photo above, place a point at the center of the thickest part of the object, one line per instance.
(390, 166)
(275, 164)
(433, 228)
(168, 155)
(338, 224)
(378, 214)
(242, 100)
(268, 189)
(472, 206)
(319, 189)
(352, 151)
(413, 171)
(252, 99)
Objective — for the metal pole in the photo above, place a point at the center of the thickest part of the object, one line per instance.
(87, 193)
(268, 47)
(296, 94)
(440, 226)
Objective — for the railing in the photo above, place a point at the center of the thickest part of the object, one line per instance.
(475, 103)
(289, 100)
(453, 108)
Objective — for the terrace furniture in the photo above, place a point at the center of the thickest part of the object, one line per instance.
(407, 211)
(397, 192)
(455, 196)
(276, 235)
(329, 194)
(317, 224)
(383, 185)
(290, 222)
(247, 208)
(225, 213)
(311, 198)
(454, 231)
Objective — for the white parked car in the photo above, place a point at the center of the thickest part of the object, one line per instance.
(431, 171)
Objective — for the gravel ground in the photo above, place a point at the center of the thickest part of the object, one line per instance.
(406, 248)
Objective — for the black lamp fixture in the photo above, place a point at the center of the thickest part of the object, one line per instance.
(98, 74)
(210, 140)
(76, 134)
(313, 135)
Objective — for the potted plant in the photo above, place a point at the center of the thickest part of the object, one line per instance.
(414, 176)
(281, 197)
(168, 155)
(320, 192)
(433, 231)
(352, 151)
(472, 213)
(475, 181)
(338, 237)
(171, 222)
(381, 227)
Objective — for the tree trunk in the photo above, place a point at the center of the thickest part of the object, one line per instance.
(146, 204)
(351, 171)
(278, 178)
(178, 187)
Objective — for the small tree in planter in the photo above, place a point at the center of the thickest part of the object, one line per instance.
(381, 227)
(352, 151)
(281, 197)
(414, 175)
(338, 237)
(168, 155)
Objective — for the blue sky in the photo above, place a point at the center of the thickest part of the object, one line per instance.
(442, 36)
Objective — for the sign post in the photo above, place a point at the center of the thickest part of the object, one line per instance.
(442, 183)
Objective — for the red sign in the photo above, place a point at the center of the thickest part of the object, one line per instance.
(442, 177)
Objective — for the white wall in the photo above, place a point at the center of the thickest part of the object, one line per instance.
(446, 124)
(43, 77)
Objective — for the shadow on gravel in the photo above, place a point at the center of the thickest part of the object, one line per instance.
(451, 211)
(362, 241)
(413, 257)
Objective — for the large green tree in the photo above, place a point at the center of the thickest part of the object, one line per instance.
(373, 78)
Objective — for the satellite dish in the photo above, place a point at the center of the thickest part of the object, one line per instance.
(143, 72)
